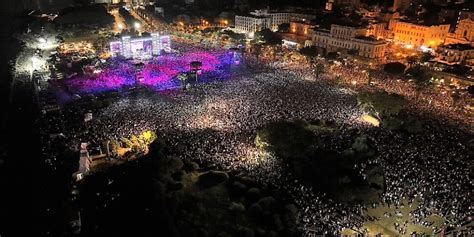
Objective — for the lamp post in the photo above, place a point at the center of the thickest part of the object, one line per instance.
(33, 65)
(137, 27)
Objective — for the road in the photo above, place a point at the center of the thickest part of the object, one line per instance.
(119, 21)
(145, 26)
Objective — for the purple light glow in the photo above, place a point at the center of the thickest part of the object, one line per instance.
(104, 81)
(159, 73)
(154, 75)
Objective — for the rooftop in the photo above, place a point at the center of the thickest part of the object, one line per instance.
(303, 22)
(252, 16)
(351, 23)
(422, 23)
(366, 38)
(322, 30)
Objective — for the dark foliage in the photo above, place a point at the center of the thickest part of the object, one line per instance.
(394, 68)
(85, 15)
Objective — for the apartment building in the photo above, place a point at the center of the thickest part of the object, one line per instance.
(418, 34)
(348, 38)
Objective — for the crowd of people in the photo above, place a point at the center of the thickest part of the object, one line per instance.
(429, 100)
(216, 122)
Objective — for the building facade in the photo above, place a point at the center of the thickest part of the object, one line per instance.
(465, 30)
(347, 32)
(276, 18)
(300, 27)
(419, 35)
(464, 33)
(456, 54)
(379, 30)
(265, 19)
(346, 38)
(249, 24)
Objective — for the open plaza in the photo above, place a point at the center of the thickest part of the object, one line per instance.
(213, 119)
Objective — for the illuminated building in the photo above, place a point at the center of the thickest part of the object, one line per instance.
(278, 18)
(143, 47)
(349, 38)
(465, 30)
(265, 19)
(347, 32)
(418, 34)
(379, 30)
(456, 54)
(250, 24)
(300, 27)
(464, 33)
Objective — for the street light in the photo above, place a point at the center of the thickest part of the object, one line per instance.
(136, 25)
(120, 26)
(33, 62)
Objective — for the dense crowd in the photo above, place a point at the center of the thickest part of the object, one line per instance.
(216, 124)
(427, 100)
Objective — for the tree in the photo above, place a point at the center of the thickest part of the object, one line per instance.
(332, 56)
(470, 90)
(183, 77)
(309, 52)
(353, 51)
(421, 76)
(426, 57)
(369, 77)
(257, 49)
(233, 35)
(269, 37)
(412, 60)
(284, 27)
(298, 145)
(382, 104)
(394, 68)
(319, 69)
